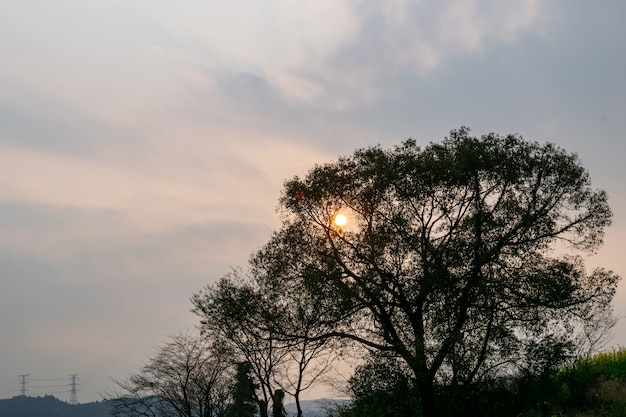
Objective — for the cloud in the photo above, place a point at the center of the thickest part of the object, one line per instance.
(414, 38)
(76, 85)
(82, 286)
(143, 144)
(184, 177)
(336, 52)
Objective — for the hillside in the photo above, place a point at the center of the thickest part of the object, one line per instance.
(50, 406)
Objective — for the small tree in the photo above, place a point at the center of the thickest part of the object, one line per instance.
(296, 320)
(231, 311)
(187, 377)
(243, 394)
(253, 315)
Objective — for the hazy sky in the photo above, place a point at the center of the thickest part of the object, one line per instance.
(144, 143)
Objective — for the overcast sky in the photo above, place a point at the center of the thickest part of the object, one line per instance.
(144, 143)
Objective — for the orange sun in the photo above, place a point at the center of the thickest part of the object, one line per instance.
(341, 220)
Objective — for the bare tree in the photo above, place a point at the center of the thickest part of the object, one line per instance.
(594, 330)
(188, 376)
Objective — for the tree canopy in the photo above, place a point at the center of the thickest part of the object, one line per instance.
(252, 314)
(463, 258)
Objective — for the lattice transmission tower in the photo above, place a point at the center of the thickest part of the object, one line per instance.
(74, 389)
(23, 385)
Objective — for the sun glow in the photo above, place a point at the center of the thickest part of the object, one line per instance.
(341, 220)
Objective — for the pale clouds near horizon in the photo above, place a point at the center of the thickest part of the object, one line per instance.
(143, 144)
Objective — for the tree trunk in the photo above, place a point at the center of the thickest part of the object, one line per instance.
(298, 406)
(427, 398)
(263, 408)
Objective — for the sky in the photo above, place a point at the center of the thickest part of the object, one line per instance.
(144, 143)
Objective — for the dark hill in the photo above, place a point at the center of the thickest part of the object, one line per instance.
(50, 406)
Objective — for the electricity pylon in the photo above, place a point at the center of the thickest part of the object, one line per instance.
(73, 390)
(23, 384)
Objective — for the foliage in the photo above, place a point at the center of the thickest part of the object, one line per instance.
(590, 386)
(252, 314)
(460, 269)
(243, 394)
(596, 382)
(381, 388)
(230, 312)
(448, 258)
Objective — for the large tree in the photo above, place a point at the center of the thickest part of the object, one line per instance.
(457, 257)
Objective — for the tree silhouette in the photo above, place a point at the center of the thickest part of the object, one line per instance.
(453, 258)
(243, 394)
(189, 376)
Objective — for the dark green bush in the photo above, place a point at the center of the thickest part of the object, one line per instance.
(591, 386)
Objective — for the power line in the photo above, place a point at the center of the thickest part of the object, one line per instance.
(68, 387)
(47, 379)
(92, 391)
(32, 387)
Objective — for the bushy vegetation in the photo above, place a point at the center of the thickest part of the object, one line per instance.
(590, 386)
(595, 385)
